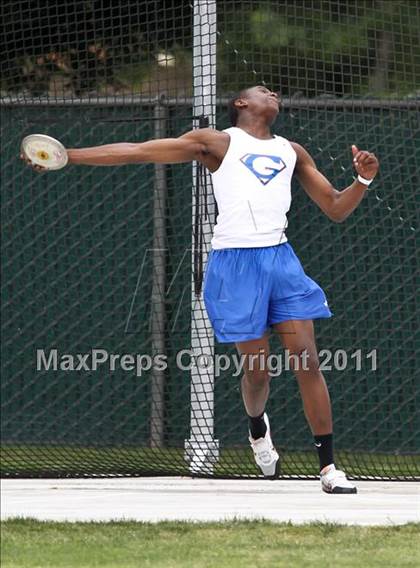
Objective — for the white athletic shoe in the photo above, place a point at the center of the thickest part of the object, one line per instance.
(265, 454)
(335, 481)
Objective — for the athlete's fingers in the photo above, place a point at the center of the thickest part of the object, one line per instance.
(370, 160)
(363, 154)
(360, 156)
(363, 157)
(35, 167)
(367, 161)
(354, 149)
(25, 159)
(28, 162)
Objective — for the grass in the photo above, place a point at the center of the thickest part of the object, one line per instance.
(52, 461)
(33, 544)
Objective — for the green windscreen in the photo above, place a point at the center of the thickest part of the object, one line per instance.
(97, 262)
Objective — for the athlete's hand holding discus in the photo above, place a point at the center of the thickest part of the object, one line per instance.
(43, 152)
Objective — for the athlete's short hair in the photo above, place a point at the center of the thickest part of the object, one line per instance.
(233, 111)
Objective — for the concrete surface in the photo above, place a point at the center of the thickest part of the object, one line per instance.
(176, 498)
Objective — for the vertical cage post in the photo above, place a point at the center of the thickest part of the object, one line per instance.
(201, 450)
(158, 315)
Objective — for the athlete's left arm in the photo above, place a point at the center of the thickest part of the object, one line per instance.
(337, 205)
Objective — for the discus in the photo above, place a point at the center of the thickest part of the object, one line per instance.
(44, 151)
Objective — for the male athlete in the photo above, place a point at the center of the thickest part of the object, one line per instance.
(253, 279)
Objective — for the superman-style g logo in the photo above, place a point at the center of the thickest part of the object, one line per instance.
(264, 167)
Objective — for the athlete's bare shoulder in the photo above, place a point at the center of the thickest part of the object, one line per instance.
(303, 156)
(215, 144)
(300, 150)
(208, 135)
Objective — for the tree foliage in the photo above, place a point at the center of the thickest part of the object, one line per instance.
(75, 48)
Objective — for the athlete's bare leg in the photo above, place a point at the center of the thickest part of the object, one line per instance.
(297, 337)
(255, 390)
(256, 380)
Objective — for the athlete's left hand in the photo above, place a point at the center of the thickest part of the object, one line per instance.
(365, 163)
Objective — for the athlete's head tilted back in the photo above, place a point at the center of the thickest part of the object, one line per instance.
(254, 102)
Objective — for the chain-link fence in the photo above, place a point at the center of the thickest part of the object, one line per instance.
(97, 262)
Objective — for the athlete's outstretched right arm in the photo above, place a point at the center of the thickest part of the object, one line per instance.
(203, 145)
(186, 148)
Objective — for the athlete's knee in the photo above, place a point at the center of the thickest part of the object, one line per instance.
(304, 360)
(256, 378)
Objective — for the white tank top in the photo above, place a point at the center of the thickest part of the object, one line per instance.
(252, 188)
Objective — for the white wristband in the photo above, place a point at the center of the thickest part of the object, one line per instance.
(364, 181)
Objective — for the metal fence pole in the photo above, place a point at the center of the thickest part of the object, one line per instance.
(202, 448)
(158, 312)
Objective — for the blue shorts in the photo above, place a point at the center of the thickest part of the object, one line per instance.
(248, 289)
